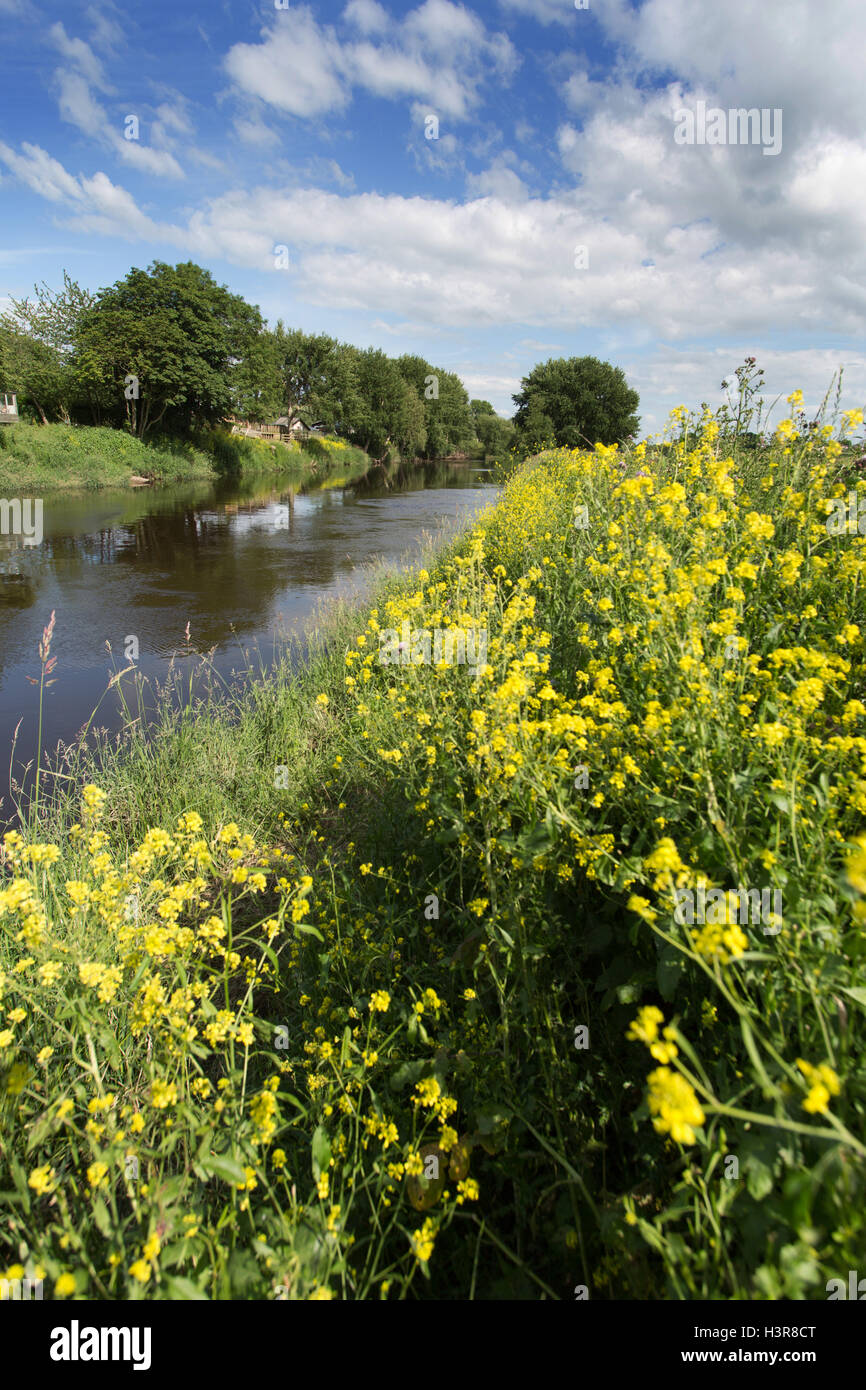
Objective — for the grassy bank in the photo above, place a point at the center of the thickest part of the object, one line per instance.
(42, 457)
(370, 984)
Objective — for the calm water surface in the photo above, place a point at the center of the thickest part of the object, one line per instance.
(241, 562)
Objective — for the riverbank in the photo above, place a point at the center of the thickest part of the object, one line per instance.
(47, 457)
(369, 983)
(242, 559)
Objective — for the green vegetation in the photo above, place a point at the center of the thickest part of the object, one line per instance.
(65, 456)
(40, 457)
(574, 402)
(167, 354)
(495, 435)
(371, 982)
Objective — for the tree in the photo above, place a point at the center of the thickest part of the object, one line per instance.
(166, 344)
(257, 386)
(40, 336)
(448, 422)
(494, 434)
(410, 434)
(575, 402)
(381, 407)
(309, 375)
(478, 409)
(451, 414)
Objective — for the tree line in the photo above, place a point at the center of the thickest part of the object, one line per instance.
(168, 350)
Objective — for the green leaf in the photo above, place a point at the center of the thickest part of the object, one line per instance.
(183, 1290)
(408, 1073)
(748, 1039)
(271, 955)
(300, 927)
(100, 1216)
(447, 837)
(671, 964)
(170, 1190)
(759, 1177)
(19, 1177)
(651, 1235)
(225, 1167)
(321, 1151)
(243, 1272)
(857, 993)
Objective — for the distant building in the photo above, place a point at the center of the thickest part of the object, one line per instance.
(8, 410)
(277, 429)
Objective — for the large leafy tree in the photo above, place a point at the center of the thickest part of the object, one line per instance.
(382, 410)
(257, 388)
(306, 377)
(180, 335)
(492, 432)
(575, 402)
(39, 338)
(410, 434)
(448, 422)
(450, 413)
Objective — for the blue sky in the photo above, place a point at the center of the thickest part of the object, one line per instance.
(309, 127)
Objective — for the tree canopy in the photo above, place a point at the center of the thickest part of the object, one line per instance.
(166, 343)
(575, 402)
(170, 350)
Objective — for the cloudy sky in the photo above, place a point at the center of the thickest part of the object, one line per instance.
(488, 185)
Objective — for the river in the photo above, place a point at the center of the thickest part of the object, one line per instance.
(243, 562)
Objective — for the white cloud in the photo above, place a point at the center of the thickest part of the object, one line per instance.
(79, 53)
(41, 173)
(485, 385)
(533, 345)
(297, 67)
(390, 72)
(173, 118)
(498, 181)
(253, 131)
(545, 11)
(152, 161)
(79, 107)
(442, 28)
(106, 33)
(96, 203)
(689, 376)
(368, 16)
(686, 244)
(439, 53)
(493, 261)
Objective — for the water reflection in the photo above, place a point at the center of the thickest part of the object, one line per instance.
(237, 560)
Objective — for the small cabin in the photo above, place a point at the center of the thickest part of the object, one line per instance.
(297, 429)
(8, 409)
(279, 429)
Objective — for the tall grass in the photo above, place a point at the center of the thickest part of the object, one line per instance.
(81, 456)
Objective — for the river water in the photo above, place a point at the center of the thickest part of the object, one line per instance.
(242, 562)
